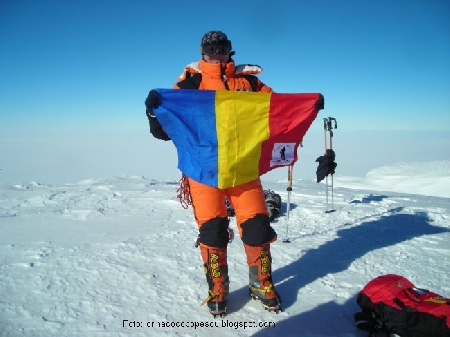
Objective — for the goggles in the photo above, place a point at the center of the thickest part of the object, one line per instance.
(216, 48)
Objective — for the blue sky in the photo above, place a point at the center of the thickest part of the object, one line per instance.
(380, 64)
(74, 75)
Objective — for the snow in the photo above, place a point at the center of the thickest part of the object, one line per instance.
(115, 256)
(427, 178)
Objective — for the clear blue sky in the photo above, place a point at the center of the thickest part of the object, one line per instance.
(90, 64)
(74, 75)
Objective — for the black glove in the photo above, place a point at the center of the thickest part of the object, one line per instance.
(152, 100)
(320, 104)
(326, 166)
(156, 129)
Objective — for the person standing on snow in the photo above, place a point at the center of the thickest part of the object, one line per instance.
(217, 71)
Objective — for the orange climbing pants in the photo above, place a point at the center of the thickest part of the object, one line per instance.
(250, 208)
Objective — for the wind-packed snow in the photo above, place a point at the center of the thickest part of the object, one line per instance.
(116, 256)
(427, 178)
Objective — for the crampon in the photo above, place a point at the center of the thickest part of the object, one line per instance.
(217, 309)
(272, 305)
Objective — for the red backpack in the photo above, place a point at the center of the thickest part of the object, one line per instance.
(393, 305)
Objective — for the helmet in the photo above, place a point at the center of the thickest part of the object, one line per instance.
(215, 42)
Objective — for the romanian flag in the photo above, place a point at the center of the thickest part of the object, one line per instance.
(228, 138)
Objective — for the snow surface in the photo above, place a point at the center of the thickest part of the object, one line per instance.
(116, 256)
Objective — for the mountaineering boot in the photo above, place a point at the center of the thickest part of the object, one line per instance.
(260, 277)
(216, 271)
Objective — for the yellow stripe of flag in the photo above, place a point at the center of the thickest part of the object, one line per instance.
(242, 124)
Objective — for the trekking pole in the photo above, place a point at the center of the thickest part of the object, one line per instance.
(326, 127)
(331, 147)
(330, 130)
(289, 190)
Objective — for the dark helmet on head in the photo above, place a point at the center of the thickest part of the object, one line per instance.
(215, 42)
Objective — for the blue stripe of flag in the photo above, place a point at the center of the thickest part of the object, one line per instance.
(189, 119)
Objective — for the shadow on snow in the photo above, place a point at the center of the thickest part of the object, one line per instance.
(369, 199)
(328, 319)
(333, 257)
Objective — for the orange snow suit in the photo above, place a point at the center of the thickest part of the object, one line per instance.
(247, 199)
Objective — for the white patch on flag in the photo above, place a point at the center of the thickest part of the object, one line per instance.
(282, 154)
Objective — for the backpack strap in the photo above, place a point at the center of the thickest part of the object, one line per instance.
(191, 81)
(253, 80)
